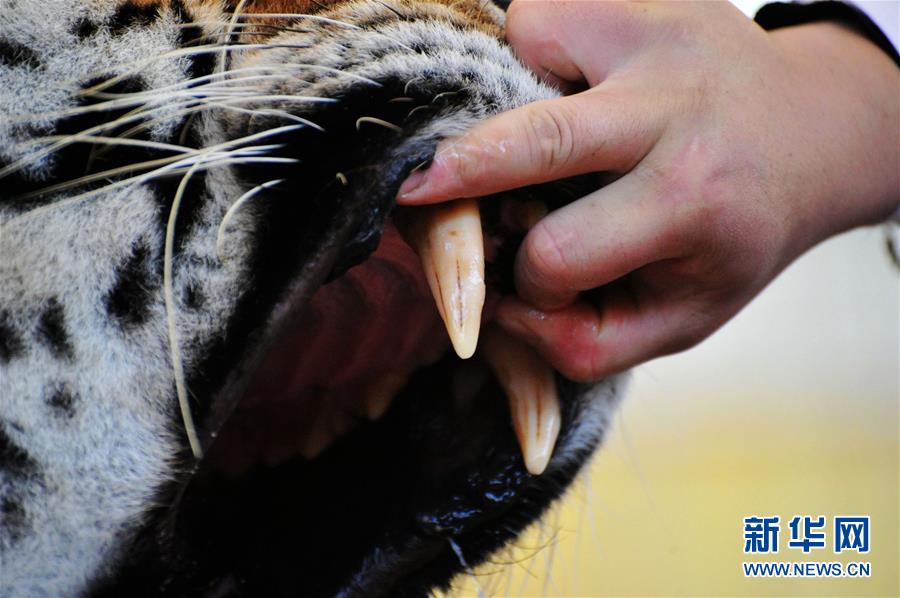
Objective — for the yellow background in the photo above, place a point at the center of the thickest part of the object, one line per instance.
(790, 409)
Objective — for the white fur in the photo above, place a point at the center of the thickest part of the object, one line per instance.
(100, 470)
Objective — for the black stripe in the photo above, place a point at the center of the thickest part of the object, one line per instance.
(10, 343)
(13, 458)
(52, 331)
(13, 520)
(200, 64)
(129, 299)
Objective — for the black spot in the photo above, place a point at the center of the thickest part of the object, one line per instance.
(15, 54)
(12, 520)
(194, 297)
(130, 297)
(84, 28)
(133, 16)
(13, 458)
(10, 343)
(52, 331)
(62, 400)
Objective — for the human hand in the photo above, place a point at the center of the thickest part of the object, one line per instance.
(738, 150)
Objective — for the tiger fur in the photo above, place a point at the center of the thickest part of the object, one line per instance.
(221, 98)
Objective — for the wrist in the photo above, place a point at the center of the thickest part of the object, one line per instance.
(844, 90)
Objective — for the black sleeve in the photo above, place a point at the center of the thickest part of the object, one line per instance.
(787, 14)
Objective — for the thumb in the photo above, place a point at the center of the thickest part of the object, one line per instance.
(592, 131)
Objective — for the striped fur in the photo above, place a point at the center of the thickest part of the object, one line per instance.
(109, 113)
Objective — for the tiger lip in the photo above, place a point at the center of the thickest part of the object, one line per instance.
(448, 239)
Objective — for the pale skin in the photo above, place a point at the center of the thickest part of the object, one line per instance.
(736, 150)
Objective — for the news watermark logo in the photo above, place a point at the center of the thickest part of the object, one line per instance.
(806, 534)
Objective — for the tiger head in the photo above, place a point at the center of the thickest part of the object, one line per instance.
(222, 371)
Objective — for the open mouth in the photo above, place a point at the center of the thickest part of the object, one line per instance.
(393, 435)
(370, 431)
(362, 337)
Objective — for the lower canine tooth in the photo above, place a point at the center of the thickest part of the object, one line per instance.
(449, 242)
(531, 390)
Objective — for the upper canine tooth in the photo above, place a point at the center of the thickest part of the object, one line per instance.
(530, 388)
(449, 242)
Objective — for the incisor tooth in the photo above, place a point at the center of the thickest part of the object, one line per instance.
(531, 390)
(317, 438)
(331, 422)
(449, 242)
(380, 392)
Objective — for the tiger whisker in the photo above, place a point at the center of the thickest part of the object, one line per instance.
(169, 300)
(220, 88)
(107, 106)
(192, 82)
(441, 95)
(417, 108)
(272, 112)
(178, 53)
(204, 105)
(229, 214)
(227, 145)
(111, 141)
(19, 164)
(227, 159)
(289, 15)
(378, 121)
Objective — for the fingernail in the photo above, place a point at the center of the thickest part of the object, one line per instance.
(414, 183)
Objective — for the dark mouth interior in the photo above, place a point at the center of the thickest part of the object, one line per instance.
(354, 345)
(388, 504)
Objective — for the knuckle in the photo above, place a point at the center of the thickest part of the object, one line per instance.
(468, 168)
(552, 137)
(699, 186)
(546, 254)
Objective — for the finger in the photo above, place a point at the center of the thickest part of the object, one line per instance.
(596, 240)
(575, 41)
(586, 344)
(597, 130)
